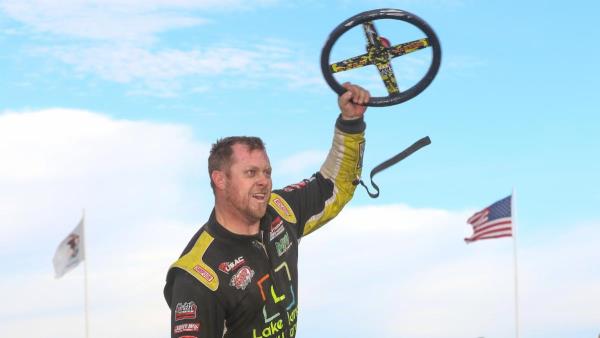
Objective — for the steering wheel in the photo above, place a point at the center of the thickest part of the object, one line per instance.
(380, 53)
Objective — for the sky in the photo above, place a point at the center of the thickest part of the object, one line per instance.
(109, 108)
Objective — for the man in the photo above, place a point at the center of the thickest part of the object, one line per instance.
(237, 277)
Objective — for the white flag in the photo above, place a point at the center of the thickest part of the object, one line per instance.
(70, 251)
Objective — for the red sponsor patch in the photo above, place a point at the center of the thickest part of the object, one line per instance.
(187, 327)
(276, 222)
(205, 274)
(185, 310)
(242, 278)
(296, 186)
(276, 228)
(282, 206)
(230, 266)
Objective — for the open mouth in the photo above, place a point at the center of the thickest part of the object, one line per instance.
(260, 197)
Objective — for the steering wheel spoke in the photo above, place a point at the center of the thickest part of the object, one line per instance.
(409, 47)
(389, 79)
(371, 34)
(351, 63)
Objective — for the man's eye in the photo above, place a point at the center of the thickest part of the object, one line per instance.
(251, 172)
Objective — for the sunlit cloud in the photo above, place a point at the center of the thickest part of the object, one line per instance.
(170, 72)
(130, 20)
(145, 193)
(120, 42)
(301, 164)
(58, 161)
(400, 269)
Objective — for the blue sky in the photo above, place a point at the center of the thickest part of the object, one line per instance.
(111, 106)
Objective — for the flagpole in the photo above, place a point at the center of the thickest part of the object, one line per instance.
(514, 222)
(85, 279)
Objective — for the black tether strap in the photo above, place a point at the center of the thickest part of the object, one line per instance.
(404, 154)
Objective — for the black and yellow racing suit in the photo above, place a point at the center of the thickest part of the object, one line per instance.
(229, 285)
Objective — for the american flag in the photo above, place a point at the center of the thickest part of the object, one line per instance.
(492, 222)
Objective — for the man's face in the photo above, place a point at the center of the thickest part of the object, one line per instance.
(248, 182)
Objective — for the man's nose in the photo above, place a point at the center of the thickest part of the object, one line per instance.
(263, 179)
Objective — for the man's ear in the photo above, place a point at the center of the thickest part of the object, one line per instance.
(218, 178)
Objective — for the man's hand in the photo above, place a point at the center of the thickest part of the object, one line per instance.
(352, 103)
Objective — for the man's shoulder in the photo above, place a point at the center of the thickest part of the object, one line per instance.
(193, 261)
(280, 205)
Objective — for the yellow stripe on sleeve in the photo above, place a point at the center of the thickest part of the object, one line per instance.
(192, 263)
(343, 165)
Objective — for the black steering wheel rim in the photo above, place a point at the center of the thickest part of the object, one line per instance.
(385, 13)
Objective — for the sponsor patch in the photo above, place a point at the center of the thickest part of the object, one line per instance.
(188, 337)
(185, 311)
(187, 327)
(227, 267)
(283, 244)
(205, 274)
(296, 186)
(276, 228)
(300, 185)
(361, 152)
(282, 208)
(242, 278)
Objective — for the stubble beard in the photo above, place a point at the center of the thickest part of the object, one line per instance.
(250, 210)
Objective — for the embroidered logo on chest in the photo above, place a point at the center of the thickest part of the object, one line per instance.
(227, 267)
(242, 278)
(276, 228)
(283, 244)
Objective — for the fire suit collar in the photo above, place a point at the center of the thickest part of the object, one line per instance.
(220, 231)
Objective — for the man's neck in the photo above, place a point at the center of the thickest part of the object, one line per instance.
(235, 222)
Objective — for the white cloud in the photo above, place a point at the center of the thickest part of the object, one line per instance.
(406, 272)
(139, 183)
(165, 71)
(403, 271)
(57, 161)
(561, 280)
(119, 41)
(129, 63)
(130, 20)
(302, 164)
